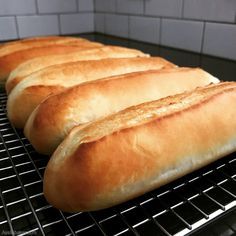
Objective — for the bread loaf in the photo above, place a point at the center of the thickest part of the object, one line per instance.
(11, 61)
(52, 120)
(55, 38)
(32, 90)
(39, 63)
(8, 48)
(139, 149)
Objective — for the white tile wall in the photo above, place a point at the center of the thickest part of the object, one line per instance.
(182, 23)
(16, 7)
(174, 23)
(57, 6)
(182, 34)
(99, 21)
(25, 18)
(77, 23)
(220, 40)
(210, 10)
(131, 6)
(105, 6)
(7, 28)
(37, 25)
(144, 29)
(116, 25)
(167, 8)
(86, 5)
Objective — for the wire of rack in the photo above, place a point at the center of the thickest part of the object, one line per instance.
(179, 208)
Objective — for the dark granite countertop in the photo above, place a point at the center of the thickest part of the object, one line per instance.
(221, 68)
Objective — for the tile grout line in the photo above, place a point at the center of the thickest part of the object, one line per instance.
(160, 32)
(59, 23)
(116, 7)
(144, 7)
(37, 7)
(128, 27)
(103, 22)
(77, 6)
(94, 20)
(17, 27)
(168, 17)
(105, 25)
(182, 9)
(203, 37)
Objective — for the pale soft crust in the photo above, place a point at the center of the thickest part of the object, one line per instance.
(20, 105)
(23, 70)
(10, 61)
(139, 149)
(52, 120)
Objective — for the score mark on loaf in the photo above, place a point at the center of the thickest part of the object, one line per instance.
(25, 97)
(39, 63)
(56, 116)
(141, 148)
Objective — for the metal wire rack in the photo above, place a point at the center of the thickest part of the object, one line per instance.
(179, 208)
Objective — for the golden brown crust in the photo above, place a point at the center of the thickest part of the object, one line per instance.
(57, 115)
(55, 38)
(10, 61)
(39, 63)
(27, 43)
(27, 100)
(93, 169)
(70, 74)
(34, 42)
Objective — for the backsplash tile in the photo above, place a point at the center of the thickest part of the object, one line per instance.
(37, 25)
(130, 7)
(182, 34)
(16, 7)
(86, 5)
(145, 29)
(210, 10)
(77, 23)
(105, 6)
(220, 40)
(7, 28)
(99, 20)
(206, 26)
(167, 8)
(116, 25)
(56, 6)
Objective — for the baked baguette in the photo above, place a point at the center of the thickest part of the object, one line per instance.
(11, 61)
(139, 149)
(8, 48)
(39, 63)
(32, 90)
(52, 120)
(55, 38)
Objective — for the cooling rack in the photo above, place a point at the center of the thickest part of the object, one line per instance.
(179, 208)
